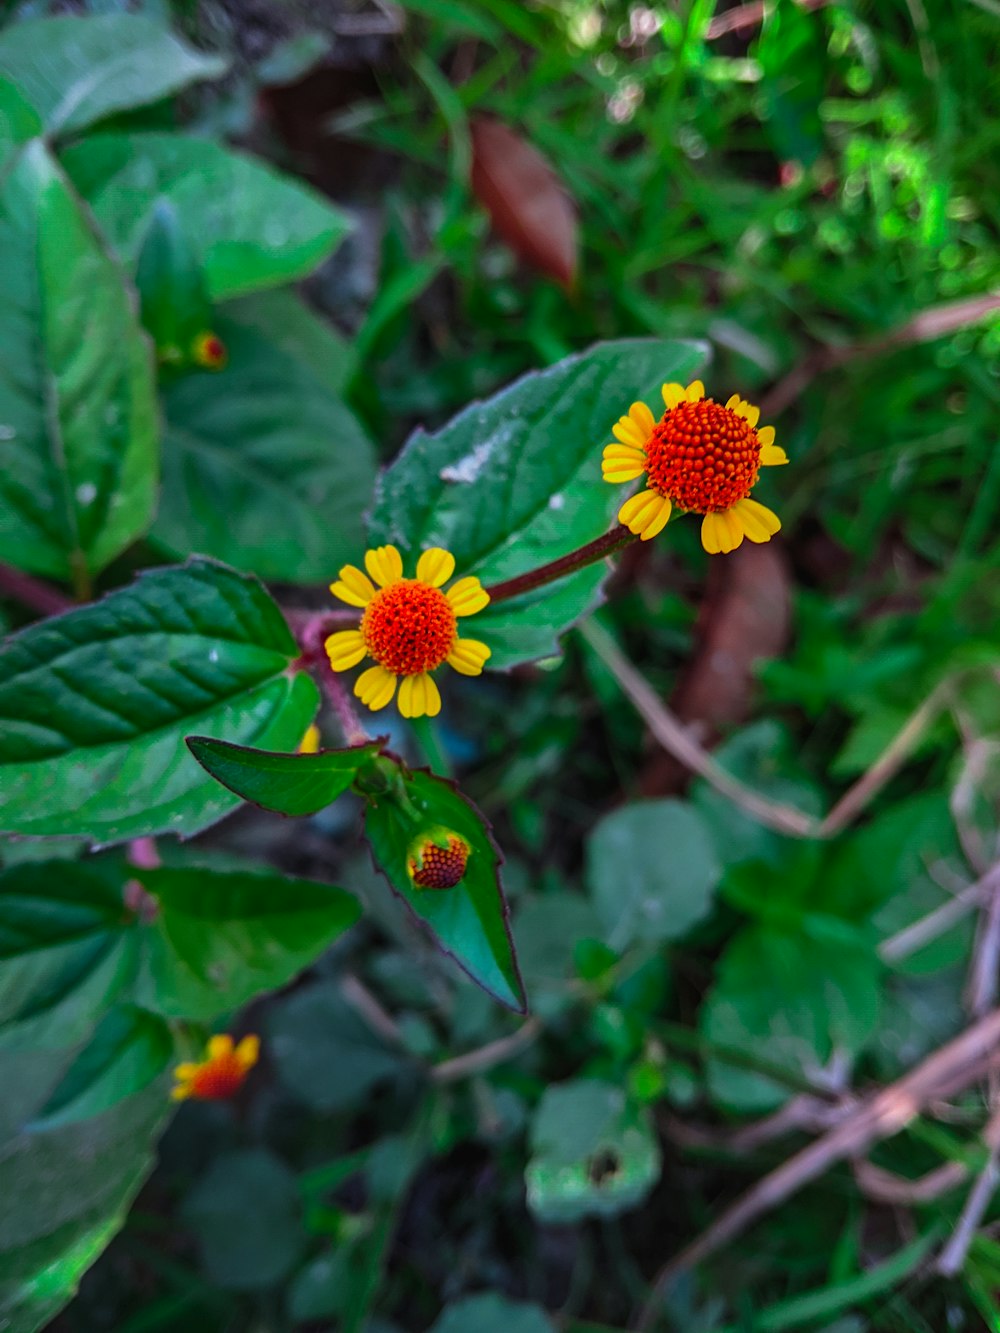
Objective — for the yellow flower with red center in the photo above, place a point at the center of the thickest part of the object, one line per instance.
(222, 1072)
(437, 859)
(700, 456)
(409, 626)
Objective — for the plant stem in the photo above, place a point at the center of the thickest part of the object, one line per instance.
(428, 739)
(311, 632)
(614, 540)
(29, 591)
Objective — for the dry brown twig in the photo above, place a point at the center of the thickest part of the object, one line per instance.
(953, 1067)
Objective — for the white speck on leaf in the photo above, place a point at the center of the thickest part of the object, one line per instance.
(214, 655)
(7, 433)
(467, 469)
(86, 493)
(557, 501)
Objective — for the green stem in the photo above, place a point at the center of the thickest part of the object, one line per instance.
(429, 741)
(599, 549)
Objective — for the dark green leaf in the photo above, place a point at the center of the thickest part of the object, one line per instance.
(65, 1193)
(591, 1153)
(324, 1051)
(95, 704)
(291, 784)
(469, 920)
(792, 55)
(75, 71)
(129, 1050)
(490, 1313)
(175, 306)
(672, 871)
(221, 937)
(251, 227)
(263, 467)
(77, 395)
(246, 1216)
(285, 319)
(792, 1000)
(515, 481)
(18, 119)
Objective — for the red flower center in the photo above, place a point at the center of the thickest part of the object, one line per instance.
(703, 456)
(441, 867)
(218, 1079)
(409, 627)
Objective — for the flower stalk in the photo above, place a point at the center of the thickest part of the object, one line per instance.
(599, 549)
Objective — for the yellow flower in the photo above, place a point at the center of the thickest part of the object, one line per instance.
(309, 744)
(700, 456)
(220, 1075)
(409, 626)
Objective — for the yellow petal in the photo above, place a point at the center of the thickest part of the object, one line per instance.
(180, 1093)
(467, 596)
(435, 566)
(629, 451)
(186, 1071)
(733, 402)
(695, 391)
(220, 1046)
(309, 744)
(385, 565)
(721, 532)
(248, 1051)
(626, 430)
(751, 413)
(354, 588)
(632, 510)
(772, 455)
(657, 520)
(673, 394)
(345, 649)
(758, 522)
(766, 435)
(643, 419)
(419, 696)
(616, 473)
(375, 687)
(468, 656)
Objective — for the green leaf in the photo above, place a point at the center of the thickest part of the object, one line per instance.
(792, 999)
(246, 1215)
(263, 467)
(324, 1051)
(221, 937)
(470, 920)
(282, 316)
(77, 393)
(129, 1050)
(95, 704)
(19, 121)
(291, 784)
(175, 306)
(75, 71)
(490, 1313)
(515, 481)
(592, 1154)
(64, 960)
(672, 872)
(66, 1190)
(251, 227)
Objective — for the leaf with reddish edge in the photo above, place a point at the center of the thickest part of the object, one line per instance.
(527, 203)
(470, 921)
(290, 784)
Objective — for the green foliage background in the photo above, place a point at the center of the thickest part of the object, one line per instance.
(816, 195)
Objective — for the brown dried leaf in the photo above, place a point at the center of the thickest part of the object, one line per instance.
(527, 203)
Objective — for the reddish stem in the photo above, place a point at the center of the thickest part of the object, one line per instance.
(29, 591)
(599, 549)
(311, 630)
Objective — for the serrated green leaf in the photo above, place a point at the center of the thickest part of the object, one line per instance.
(77, 393)
(469, 920)
(66, 1190)
(75, 71)
(174, 303)
(251, 227)
(291, 784)
(219, 938)
(592, 1153)
(263, 467)
(95, 704)
(672, 872)
(514, 482)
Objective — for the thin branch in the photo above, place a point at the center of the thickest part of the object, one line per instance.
(487, 1057)
(32, 592)
(981, 990)
(886, 1187)
(952, 1257)
(914, 936)
(311, 630)
(879, 1117)
(360, 998)
(599, 549)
